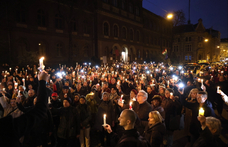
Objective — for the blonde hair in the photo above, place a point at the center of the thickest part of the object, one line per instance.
(157, 116)
(193, 90)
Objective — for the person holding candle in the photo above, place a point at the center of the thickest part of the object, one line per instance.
(105, 106)
(156, 105)
(203, 103)
(130, 137)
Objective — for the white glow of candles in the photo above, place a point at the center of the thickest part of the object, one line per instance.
(218, 89)
(104, 120)
(202, 81)
(3, 89)
(49, 100)
(10, 68)
(130, 106)
(198, 79)
(171, 94)
(41, 63)
(15, 85)
(201, 111)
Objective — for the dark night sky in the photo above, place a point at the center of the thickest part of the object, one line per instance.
(213, 12)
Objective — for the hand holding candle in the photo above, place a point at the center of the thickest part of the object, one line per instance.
(130, 106)
(41, 64)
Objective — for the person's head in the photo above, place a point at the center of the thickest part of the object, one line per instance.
(65, 89)
(82, 99)
(76, 97)
(189, 83)
(85, 84)
(105, 96)
(66, 102)
(168, 91)
(113, 80)
(127, 119)
(154, 117)
(13, 102)
(142, 96)
(149, 89)
(113, 90)
(133, 93)
(54, 96)
(161, 89)
(105, 85)
(21, 88)
(201, 97)
(34, 101)
(31, 93)
(10, 86)
(30, 86)
(214, 125)
(156, 100)
(67, 83)
(208, 83)
(221, 79)
(193, 93)
(79, 85)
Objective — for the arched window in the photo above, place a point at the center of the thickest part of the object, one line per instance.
(116, 31)
(21, 14)
(124, 32)
(137, 11)
(106, 29)
(41, 18)
(59, 48)
(131, 34)
(58, 21)
(137, 36)
(115, 2)
(130, 8)
(85, 27)
(74, 25)
(123, 4)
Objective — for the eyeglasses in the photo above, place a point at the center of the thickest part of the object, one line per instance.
(140, 95)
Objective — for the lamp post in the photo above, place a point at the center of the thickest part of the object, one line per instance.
(170, 17)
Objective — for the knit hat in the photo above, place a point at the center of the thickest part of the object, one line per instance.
(157, 97)
(135, 91)
(68, 99)
(54, 94)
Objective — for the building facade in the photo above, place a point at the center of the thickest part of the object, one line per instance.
(224, 49)
(67, 31)
(192, 43)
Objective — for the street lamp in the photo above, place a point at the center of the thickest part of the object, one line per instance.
(170, 16)
(206, 40)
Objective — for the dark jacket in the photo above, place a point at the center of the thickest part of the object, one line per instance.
(69, 126)
(130, 138)
(142, 111)
(104, 107)
(155, 133)
(14, 128)
(205, 139)
(195, 126)
(85, 115)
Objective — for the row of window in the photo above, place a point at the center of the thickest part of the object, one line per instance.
(188, 48)
(187, 39)
(124, 5)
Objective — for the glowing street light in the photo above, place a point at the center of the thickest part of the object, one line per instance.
(170, 16)
(205, 40)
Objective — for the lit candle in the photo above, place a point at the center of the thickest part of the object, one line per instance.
(202, 81)
(130, 106)
(201, 111)
(218, 89)
(104, 120)
(41, 63)
(171, 94)
(167, 83)
(10, 68)
(23, 80)
(198, 79)
(3, 89)
(49, 100)
(50, 81)
(16, 85)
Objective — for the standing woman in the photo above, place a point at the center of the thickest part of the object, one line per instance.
(85, 117)
(155, 130)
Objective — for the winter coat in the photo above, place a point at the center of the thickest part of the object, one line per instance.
(154, 134)
(195, 126)
(160, 110)
(104, 107)
(85, 115)
(15, 128)
(69, 122)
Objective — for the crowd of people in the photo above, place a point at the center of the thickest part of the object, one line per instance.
(121, 104)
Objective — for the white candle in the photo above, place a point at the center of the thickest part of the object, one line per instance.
(171, 94)
(3, 89)
(202, 81)
(23, 80)
(41, 63)
(130, 106)
(201, 111)
(49, 100)
(15, 85)
(218, 89)
(104, 119)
